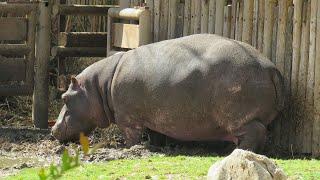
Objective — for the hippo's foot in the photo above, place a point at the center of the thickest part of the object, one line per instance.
(132, 135)
(252, 136)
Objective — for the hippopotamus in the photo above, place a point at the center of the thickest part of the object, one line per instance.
(196, 88)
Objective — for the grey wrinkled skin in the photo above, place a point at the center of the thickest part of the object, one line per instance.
(196, 88)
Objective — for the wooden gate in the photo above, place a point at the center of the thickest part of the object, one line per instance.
(17, 48)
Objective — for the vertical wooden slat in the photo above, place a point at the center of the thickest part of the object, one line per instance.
(247, 21)
(187, 18)
(268, 29)
(287, 122)
(151, 8)
(281, 39)
(212, 16)
(204, 16)
(173, 4)
(193, 14)
(227, 22)
(255, 24)
(303, 68)
(274, 35)
(316, 122)
(31, 44)
(233, 18)
(219, 17)
(180, 19)
(239, 20)
(310, 78)
(197, 17)
(156, 22)
(261, 25)
(296, 45)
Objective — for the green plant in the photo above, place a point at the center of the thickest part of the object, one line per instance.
(68, 161)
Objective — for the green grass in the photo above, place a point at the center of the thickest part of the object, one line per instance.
(179, 167)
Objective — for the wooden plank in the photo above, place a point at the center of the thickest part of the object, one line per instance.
(316, 122)
(302, 80)
(261, 25)
(197, 17)
(187, 18)
(297, 23)
(239, 20)
(247, 21)
(32, 24)
(17, 9)
(192, 20)
(227, 22)
(164, 13)
(84, 10)
(83, 39)
(268, 29)
(310, 78)
(173, 4)
(156, 26)
(219, 17)
(14, 49)
(212, 16)
(204, 16)
(12, 69)
(13, 28)
(78, 51)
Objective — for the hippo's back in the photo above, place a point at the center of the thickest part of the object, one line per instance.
(194, 88)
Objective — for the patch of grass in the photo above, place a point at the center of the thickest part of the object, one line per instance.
(178, 167)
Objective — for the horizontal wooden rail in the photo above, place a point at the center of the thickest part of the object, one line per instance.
(19, 9)
(83, 39)
(62, 51)
(14, 49)
(13, 28)
(88, 10)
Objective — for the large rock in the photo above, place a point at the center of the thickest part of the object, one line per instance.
(246, 165)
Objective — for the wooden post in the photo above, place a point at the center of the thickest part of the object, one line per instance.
(164, 14)
(233, 20)
(247, 21)
(219, 17)
(316, 122)
(41, 94)
(239, 20)
(197, 17)
(173, 4)
(268, 27)
(156, 25)
(150, 4)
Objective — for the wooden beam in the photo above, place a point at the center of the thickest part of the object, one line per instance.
(12, 69)
(268, 28)
(212, 15)
(247, 21)
(14, 49)
(84, 10)
(83, 39)
(219, 17)
(14, 89)
(18, 9)
(13, 28)
(62, 51)
(125, 35)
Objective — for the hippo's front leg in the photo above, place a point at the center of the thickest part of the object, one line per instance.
(131, 129)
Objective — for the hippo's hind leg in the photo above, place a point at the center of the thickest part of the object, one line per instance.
(252, 136)
(131, 129)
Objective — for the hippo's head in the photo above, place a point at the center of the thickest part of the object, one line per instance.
(75, 116)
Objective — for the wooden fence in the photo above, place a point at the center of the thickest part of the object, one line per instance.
(286, 31)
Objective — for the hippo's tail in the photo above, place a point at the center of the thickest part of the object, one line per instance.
(278, 82)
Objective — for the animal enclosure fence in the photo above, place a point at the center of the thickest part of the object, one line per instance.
(286, 31)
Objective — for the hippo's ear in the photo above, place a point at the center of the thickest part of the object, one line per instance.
(74, 82)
